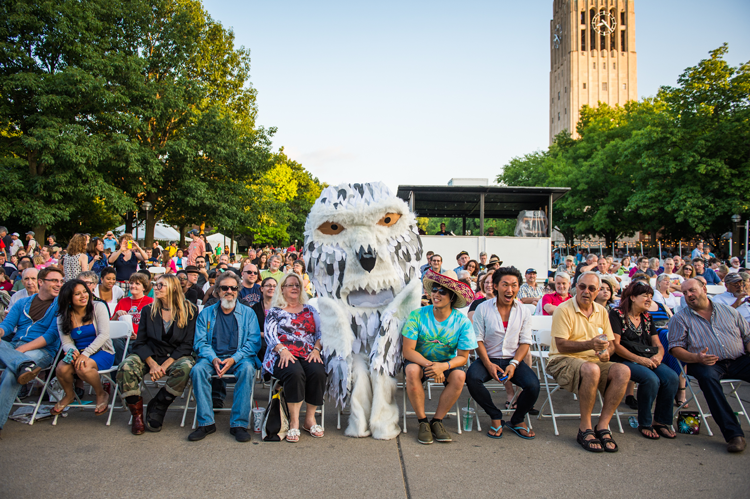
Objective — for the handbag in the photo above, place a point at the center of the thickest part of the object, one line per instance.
(689, 423)
(276, 424)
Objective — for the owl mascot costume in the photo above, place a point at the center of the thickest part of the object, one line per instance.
(363, 250)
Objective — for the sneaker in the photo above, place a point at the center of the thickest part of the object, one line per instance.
(534, 412)
(27, 372)
(201, 432)
(217, 403)
(441, 434)
(241, 434)
(425, 434)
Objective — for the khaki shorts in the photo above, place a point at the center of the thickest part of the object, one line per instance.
(567, 371)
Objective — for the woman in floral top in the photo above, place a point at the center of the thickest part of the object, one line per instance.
(292, 332)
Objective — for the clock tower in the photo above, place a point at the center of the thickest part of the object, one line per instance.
(592, 58)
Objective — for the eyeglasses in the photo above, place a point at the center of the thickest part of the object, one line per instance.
(250, 272)
(229, 288)
(591, 288)
(159, 285)
(293, 286)
(440, 290)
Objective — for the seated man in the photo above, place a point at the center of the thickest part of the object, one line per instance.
(530, 292)
(30, 338)
(431, 337)
(713, 340)
(274, 264)
(551, 301)
(735, 296)
(227, 340)
(503, 330)
(707, 274)
(188, 279)
(579, 361)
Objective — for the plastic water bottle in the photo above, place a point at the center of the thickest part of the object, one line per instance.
(633, 421)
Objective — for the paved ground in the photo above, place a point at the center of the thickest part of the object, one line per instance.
(81, 456)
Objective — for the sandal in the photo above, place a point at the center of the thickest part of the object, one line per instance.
(643, 429)
(493, 429)
(292, 435)
(315, 430)
(509, 407)
(681, 403)
(664, 430)
(586, 444)
(518, 429)
(103, 410)
(605, 436)
(55, 411)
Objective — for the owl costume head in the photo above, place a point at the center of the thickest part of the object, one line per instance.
(362, 245)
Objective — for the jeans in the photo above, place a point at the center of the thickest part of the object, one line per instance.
(523, 377)
(708, 378)
(244, 372)
(11, 359)
(658, 384)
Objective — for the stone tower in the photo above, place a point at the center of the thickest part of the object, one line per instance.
(593, 59)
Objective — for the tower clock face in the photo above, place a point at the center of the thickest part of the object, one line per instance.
(557, 36)
(604, 23)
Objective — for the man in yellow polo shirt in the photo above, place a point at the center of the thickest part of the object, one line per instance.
(579, 361)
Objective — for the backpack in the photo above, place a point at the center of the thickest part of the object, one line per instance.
(276, 423)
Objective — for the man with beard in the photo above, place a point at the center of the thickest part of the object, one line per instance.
(227, 340)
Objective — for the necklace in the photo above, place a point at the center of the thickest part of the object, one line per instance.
(138, 305)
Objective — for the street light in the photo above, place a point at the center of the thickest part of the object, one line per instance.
(735, 246)
(146, 206)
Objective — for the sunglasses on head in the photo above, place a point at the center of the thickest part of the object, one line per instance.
(440, 290)
(591, 287)
(229, 288)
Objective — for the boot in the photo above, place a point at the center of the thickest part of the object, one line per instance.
(136, 410)
(157, 409)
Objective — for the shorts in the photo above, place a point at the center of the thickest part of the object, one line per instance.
(567, 371)
(446, 372)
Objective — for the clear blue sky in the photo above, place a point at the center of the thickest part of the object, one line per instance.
(418, 92)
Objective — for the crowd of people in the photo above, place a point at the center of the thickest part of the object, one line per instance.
(209, 319)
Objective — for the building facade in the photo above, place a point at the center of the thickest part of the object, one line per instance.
(593, 58)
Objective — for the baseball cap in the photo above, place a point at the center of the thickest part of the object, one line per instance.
(462, 254)
(530, 271)
(732, 278)
(570, 257)
(194, 231)
(16, 234)
(31, 232)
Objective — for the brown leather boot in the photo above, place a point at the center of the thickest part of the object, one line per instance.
(137, 428)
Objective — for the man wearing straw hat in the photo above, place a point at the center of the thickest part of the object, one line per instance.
(437, 340)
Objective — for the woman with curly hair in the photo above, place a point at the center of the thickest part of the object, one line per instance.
(472, 266)
(76, 260)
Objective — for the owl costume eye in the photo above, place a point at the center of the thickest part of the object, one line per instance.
(389, 219)
(331, 228)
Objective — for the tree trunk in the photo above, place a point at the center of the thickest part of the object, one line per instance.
(654, 251)
(231, 243)
(40, 235)
(129, 222)
(182, 236)
(150, 225)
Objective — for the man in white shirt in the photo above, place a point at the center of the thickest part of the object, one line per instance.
(735, 295)
(675, 279)
(734, 265)
(16, 244)
(503, 329)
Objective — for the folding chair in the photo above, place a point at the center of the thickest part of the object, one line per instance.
(117, 329)
(36, 405)
(159, 384)
(531, 307)
(456, 413)
(543, 338)
(734, 385)
(222, 409)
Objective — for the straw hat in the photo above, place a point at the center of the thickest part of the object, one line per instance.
(464, 294)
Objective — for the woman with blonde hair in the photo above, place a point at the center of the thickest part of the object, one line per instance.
(76, 260)
(163, 349)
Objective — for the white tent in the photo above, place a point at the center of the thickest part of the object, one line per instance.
(162, 232)
(217, 239)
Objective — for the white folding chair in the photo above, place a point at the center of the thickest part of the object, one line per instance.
(531, 307)
(117, 329)
(542, 340)
(715, 289)
(456, 413)
(157, 270)
(226, 377)
(734, 384)
(36, 405)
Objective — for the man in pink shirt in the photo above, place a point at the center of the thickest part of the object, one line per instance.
(197, 246)
(562, 287)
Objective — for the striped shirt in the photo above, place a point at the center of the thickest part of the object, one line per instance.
(725, 335)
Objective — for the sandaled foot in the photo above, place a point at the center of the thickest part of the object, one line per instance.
(496, 432)
(61, 405)
(679, 400)
(292, 435)
(664, 430)
(592, 444)
(605, 437)
(521, 431)
(315, 430)
(102, 404)
(648, 432)
(510, 406)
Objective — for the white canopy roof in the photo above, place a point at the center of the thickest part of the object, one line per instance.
(162, 232)
(216, 239)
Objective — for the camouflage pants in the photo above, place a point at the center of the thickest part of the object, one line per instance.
(131, 371)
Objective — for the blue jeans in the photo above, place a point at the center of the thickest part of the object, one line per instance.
(709, 378)
(658, 384)
(244, 372)
(11, 359)
(524, 377)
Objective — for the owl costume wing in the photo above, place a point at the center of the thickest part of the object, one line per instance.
(337, 339)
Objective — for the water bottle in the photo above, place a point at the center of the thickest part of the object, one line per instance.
(633, 421)
(602, 337)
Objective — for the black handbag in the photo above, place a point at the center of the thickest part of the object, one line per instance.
(638, 348)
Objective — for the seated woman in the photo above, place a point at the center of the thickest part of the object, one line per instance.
(606, 296)
(663, 295)
(163, 349)
(292, 332)
(637, 346)
(83, 326)
(178, 262)
(687, 271)
(299, 268)
(472, 266)
(107, 289)
(267, 290)
(484, 292)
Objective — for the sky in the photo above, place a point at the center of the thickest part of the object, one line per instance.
(419, 92)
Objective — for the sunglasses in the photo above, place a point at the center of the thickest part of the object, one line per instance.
(229, 288)
(440, 290)
(250, 272)
(591, 288)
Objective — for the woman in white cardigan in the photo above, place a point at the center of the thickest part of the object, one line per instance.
(83, 325)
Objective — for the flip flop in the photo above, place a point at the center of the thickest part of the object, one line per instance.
(100, 412)
(517, 431)
(662, 430)
(57, 412)
(492, 428)
(642, 430)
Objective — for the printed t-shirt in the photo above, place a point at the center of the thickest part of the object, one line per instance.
(438, 341)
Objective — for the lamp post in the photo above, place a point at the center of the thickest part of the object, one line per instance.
(735, 246)
(146, 206)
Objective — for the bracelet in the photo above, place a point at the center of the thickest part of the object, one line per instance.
(318, 349)
(282, 349)
(449, 364)
(514, 363)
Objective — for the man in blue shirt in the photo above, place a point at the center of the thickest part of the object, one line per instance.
(250, 289)
(227, 340)
(462, 259)
(110, 241)
(30, 338)
(706, 273)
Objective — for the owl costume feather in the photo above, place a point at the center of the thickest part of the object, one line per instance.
(363, 250)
